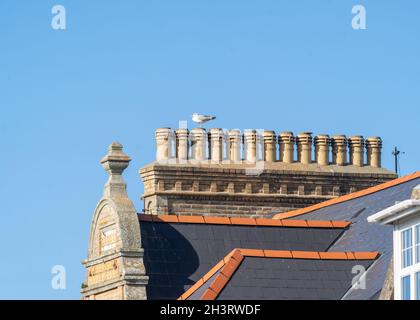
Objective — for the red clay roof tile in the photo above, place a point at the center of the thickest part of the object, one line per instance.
(243, 221)
(209, 295)
(305, 255)
(190, 219)
(277, 254)
(333, 255)
(216, 220)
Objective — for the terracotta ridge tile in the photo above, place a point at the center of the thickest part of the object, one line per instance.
(219, 283)
(213, 270)
(277, 254)
(295, 223)
(268, 222)
(165, 218)
(330, 255)
(305, 255)
(340, 224)
(243, 221)
(319, 224)
(190, 219)
(349, 196)
(252, 252)
(366, 255)
(216, 220)
(209, 294)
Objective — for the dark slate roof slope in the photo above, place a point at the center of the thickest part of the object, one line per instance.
(177, 254)
(276, 274)
(364, 236)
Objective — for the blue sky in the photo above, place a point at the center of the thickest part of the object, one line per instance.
(122, 69)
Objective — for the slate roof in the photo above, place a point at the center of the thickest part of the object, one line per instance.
(176, 255)
(275, 274)
(184, 255)
(361, 235)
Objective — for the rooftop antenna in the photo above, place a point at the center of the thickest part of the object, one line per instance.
(396, 153)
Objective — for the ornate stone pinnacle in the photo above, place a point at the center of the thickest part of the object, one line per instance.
(115, 162)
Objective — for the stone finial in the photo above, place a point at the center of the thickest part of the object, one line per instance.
(356, 145)
(163, 136)
(304, 147)
(286, 143)
(216, 136)
(115, 162)
(322, 149)
(269, 146)
(235, 142)
(182, 143)
(339, 149)
(198, 144)
(415, 194)
(373, 151)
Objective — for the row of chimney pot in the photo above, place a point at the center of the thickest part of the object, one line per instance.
(232, 142)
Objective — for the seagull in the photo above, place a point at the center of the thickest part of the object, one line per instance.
(201, 118)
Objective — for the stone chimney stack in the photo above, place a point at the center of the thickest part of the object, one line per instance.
(216, 144)
(373, 151)
(198, 144)
(223, 171)
(356, 145)
(304, 147)
(235, 141)
(250, 145)
(182, 144)
(339, 150)
(163, 144)
(270, 146)
(322, 149)
(286, 143)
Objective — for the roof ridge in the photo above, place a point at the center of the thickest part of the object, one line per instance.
(230, 263)
(348, 197)
(265, 222)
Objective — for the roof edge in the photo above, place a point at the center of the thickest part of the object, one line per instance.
(349, 196)
(263, 222)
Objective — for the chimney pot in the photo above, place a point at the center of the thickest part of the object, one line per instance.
(322, 149)
(304, 146)
(198, 144)
(216, 144)
(286, 145)
(182, 143)
(356, 146)
(373, 151)
(269, 146)
(163, 143)
(250, 145)
(235, 142)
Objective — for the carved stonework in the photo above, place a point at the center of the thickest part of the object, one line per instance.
(114, 265)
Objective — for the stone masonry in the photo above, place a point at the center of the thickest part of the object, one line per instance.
(256, 173)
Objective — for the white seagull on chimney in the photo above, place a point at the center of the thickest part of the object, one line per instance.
(201, 118)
